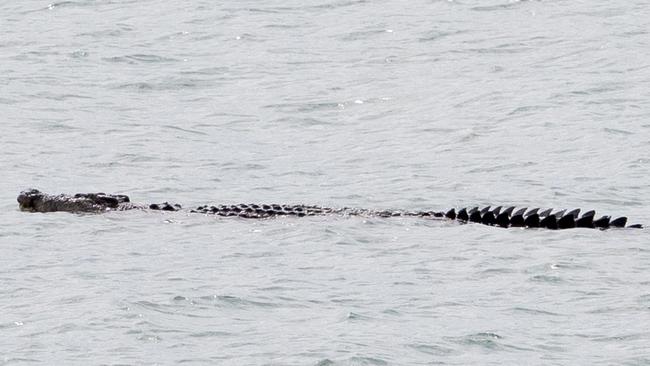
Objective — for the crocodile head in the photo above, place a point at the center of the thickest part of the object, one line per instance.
(27, 199)
(36, 201)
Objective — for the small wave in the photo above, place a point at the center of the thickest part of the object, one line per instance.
(501, 167)
(138, 85)
(59, 97)
(150, 338)
(305, 107)
(364, 35)
(534, 311)
(325, 362)
(352, 361)
(185, 130)
(366, 361)
(547, 279)
(282, 26)
(107, 32)
(623, 338)
(615, 131)
(644, 300)
(233, 302)
(528, 109)
(267, 11)
(21, 360)
(15, 324)
(8, 101)
(356, 316)
(494, 272)
(63, 4)
(511, 4)
(487, 340)
(170, 309)
(501, 49)
(79, 54)
(391, 312)
(139, 58)
(302, 121)
(436, 35)
(432, 349)
(66, 328)
(210, 334)
(339, 4)
(163, 85)
(217, 70)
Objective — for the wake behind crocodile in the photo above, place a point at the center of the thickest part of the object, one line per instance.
(505, 217)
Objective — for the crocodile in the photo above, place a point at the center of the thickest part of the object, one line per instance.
(506, 217)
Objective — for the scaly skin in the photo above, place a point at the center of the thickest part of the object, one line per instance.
(35, 201)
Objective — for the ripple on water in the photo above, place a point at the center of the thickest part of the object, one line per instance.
(172, 84)
(325, 362)
(351, 316)
(644, 300)
(353, 361)
(623, 338)
(64, 4)
(228, 301)
(554, 280)
(487, 340)
(535, 311)
(211, 334)
(433, 349)
(510, 5)
(140, 58)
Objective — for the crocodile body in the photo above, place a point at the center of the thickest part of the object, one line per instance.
(36, 201)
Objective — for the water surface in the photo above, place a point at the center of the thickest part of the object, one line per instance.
(425, 105)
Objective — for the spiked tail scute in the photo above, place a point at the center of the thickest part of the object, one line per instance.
(517, 221)
(520, 212)
(619, 222)
(567, 221)
(575, 213)
(591, 213)
(532, 221)
(586, 221)
(475, 216)
(545, 213)
(462, 215)
(489, 219)
(551, 222)
(602, 223)
(451, 214)
(559, 214)
(508, 211)
(503, 220)
(531, 212)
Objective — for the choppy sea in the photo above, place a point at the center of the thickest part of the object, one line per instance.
(373, 104)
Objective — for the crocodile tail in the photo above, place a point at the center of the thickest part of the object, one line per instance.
(547, 219)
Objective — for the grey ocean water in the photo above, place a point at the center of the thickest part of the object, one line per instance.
(376, 104)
